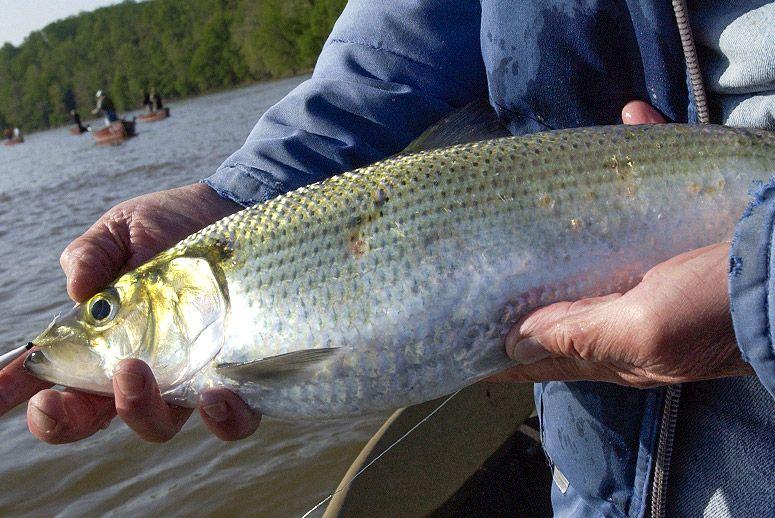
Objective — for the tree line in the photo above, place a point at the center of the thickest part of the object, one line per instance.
(180, 48)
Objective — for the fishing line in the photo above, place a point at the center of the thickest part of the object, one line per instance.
(11, 355)
(375, 459)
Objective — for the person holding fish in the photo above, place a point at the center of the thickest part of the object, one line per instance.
(608, 369)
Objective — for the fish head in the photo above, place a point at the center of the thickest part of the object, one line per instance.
(170, 313)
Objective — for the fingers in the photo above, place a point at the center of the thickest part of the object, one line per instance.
(140, 405)
(134, 231)
(674, 326)
(227, 416)
(17, 385)
(93, 260)
(549, 369)
(563, 329)
(639, 112)
(62, 417)
(573, 369)
(53, 416)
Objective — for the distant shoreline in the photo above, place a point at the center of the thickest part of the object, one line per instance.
(181, 49)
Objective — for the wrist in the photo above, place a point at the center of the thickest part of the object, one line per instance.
(247, 187)
(215, 204)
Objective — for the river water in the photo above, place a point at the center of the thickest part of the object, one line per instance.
(51, 189)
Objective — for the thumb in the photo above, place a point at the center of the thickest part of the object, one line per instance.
(564, 330)
(93, 260)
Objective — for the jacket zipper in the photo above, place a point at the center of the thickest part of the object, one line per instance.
(673, 393)
(664, 451)
(692, 63)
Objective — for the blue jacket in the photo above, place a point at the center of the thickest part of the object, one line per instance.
(752, 281)
(391, 69)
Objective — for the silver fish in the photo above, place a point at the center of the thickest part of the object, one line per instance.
(396, 283)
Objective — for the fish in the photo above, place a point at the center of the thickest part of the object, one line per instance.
(397, 282)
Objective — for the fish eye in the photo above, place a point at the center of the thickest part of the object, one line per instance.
(100, 309)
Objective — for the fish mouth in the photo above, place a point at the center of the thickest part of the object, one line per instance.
(38, 364)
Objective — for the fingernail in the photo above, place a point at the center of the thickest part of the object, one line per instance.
(129, 384)
(218, 411)
(41, 420)
(528, 350)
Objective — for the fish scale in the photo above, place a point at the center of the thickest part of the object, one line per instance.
(412, 270)
(448, 238)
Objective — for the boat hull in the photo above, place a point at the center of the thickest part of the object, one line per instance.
(427, 469)
(154, 116)
(115, 133)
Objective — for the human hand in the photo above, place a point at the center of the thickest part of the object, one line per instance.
(123, 238)
(674, 326)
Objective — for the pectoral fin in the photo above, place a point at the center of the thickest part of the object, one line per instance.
(274, 366)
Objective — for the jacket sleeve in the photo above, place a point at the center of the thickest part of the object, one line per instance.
(387, 72)
(752, 284)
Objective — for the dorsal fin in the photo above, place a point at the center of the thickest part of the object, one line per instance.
(273, 366)
(476, 121)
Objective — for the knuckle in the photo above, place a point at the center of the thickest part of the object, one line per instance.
(575, 338)
(643, 326)
(577, 305)
(655, 275)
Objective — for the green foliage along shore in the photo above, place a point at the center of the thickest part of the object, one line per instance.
(181, 48)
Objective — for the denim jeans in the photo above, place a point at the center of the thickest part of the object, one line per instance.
(722, 455)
